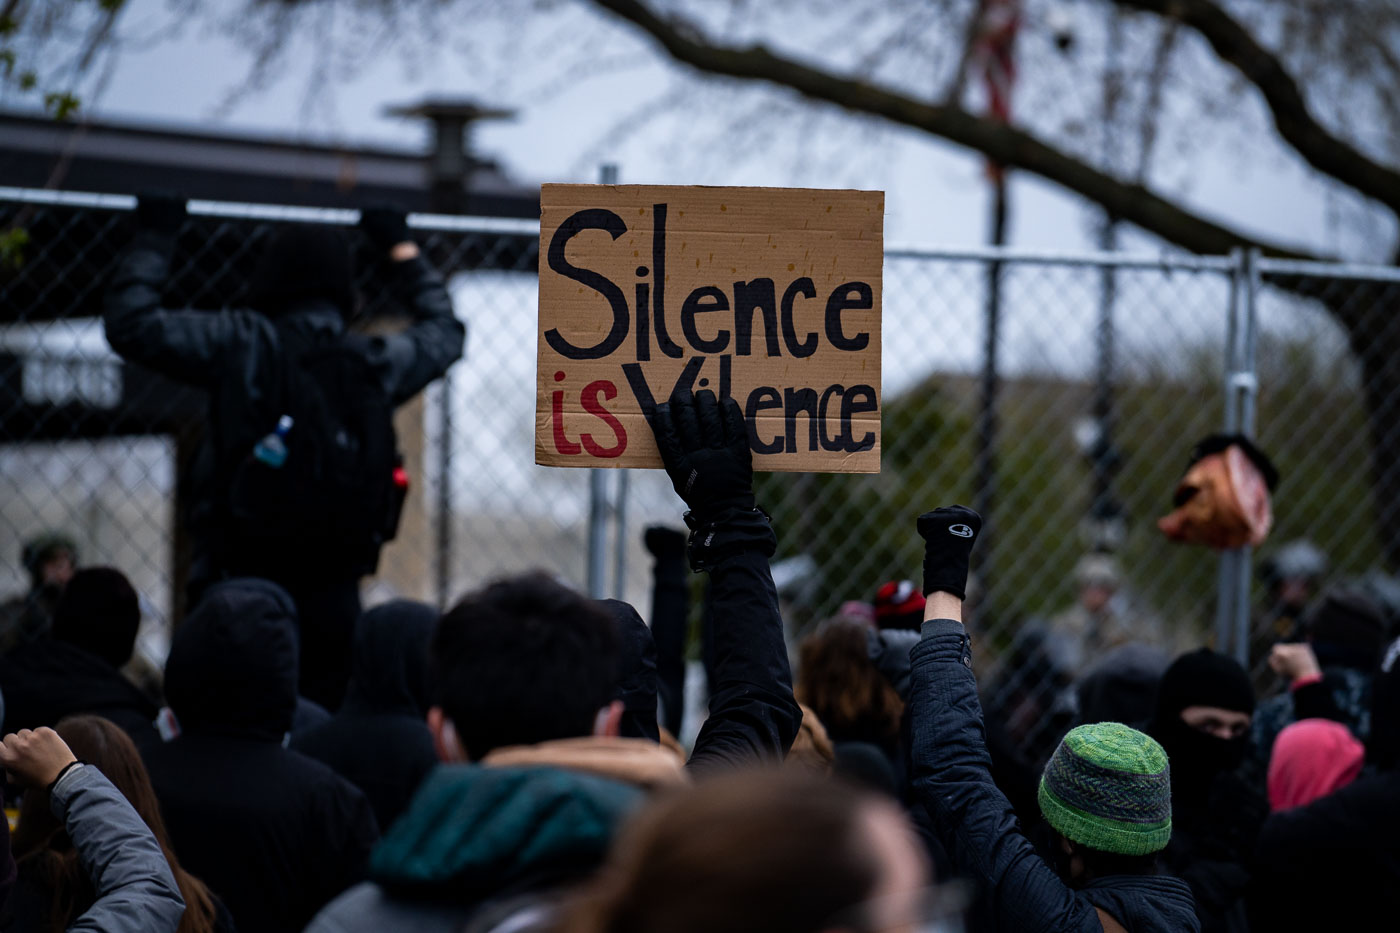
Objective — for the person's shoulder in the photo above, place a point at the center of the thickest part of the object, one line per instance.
(1368, 805)
(368, 907)
(317, 785)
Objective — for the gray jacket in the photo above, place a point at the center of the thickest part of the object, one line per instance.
(136, 891)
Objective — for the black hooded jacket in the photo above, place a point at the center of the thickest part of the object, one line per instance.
(274, 834)
(47, 680)
(379, 740)
(1335, 863)
(235, 353)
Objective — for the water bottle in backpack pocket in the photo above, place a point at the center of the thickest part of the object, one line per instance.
(325, 488)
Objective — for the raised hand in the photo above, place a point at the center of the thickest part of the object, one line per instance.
(949, 534)
(705, 446)
(35, 758)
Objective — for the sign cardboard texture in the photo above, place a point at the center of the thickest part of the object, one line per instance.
(768, 295)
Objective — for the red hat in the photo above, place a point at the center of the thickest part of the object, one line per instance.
(897, 599)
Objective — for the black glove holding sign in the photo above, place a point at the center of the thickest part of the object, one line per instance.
(704, 445)
(949, 534)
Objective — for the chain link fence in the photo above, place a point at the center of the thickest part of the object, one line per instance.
(1108, 369)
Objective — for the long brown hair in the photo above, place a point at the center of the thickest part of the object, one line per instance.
(43, 849)
(759, 851)
(837, 679)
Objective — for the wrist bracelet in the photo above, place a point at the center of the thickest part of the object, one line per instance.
(66, 768)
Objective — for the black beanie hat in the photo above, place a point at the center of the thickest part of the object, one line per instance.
(100, 613)
(636, 686)
(303, 262)
(1347, 628)
(1204, 678)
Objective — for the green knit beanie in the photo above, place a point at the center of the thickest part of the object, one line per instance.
(1107, 787)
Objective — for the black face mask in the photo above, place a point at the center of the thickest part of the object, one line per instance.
(1196, 758)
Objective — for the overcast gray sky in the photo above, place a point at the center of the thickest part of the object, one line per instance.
(936, 192)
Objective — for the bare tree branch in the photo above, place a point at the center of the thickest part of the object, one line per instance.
(1296, 124)
(1004, 144)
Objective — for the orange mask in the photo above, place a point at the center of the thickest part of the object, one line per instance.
(1221, 502)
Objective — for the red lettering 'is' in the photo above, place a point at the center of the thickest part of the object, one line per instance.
(594, 406)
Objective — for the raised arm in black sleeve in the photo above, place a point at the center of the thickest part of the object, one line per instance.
(670, 615)
(753, 714)
(435, 338)
(189, 346)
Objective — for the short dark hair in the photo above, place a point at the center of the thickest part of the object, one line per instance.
(521, 661)
(99, 612)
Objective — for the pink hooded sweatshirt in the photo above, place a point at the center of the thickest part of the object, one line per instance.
(1312, 759)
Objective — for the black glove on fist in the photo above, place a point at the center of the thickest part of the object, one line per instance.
(385, 225)
(949, 534)
(705, 447)
(160, 211)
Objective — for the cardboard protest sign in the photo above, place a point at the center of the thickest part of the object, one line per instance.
(768, 295)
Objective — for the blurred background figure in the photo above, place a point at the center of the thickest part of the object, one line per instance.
(1292, 578)
(899, 605)
(1097, 620)
(1346, 631)
(861, 710)
(1028, 707)
(50, 560)
(1122, 685)
(76, 668)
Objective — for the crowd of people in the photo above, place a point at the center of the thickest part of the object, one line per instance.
(513, 765)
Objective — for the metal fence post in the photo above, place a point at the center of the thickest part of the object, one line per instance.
(1246, 387)
(597, 490)
(1241, 389)
(620, 541)
(1228, 577)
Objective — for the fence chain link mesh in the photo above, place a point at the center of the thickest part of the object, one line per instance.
(1108, 372)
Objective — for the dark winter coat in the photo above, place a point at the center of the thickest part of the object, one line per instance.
(274, 834)
(1332, 865)
(975, 822)
(379, 740)
(477, 836)
(235, 355)
(753, 714)
(47, 680)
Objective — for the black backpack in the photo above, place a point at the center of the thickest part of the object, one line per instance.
(337, 498)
